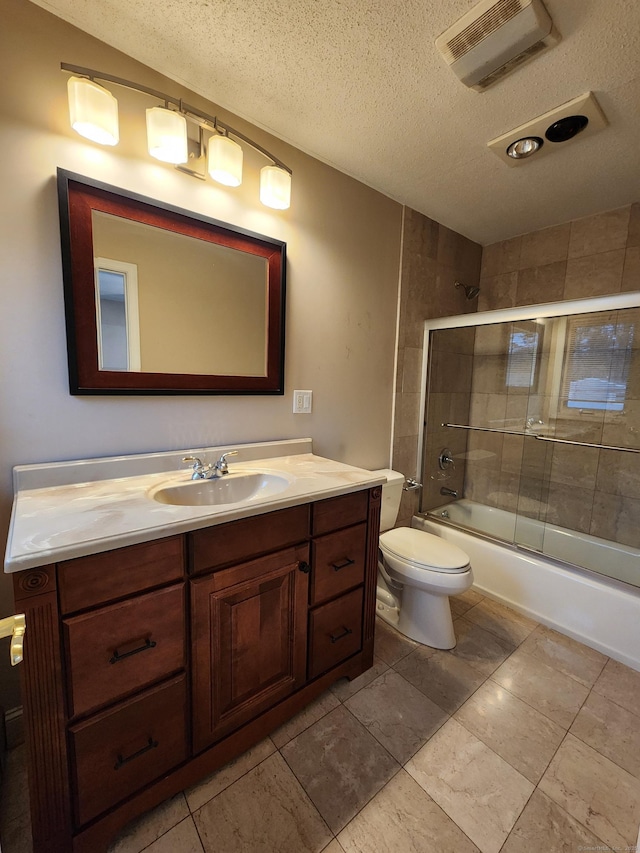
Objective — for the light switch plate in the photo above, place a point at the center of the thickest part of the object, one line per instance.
(302, 401)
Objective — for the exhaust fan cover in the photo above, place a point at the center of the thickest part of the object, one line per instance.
(494, 38)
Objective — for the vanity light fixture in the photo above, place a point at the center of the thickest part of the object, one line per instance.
(167, 135)
(275, 187)
(224, 160)
(93, 112)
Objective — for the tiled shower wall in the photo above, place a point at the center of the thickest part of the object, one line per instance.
(433, 259)
(595, 256)
(583, 489)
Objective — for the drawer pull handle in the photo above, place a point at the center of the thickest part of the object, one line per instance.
(304, 567)
(148, 644)
(151, 744)
(343, 565)
(335, 637)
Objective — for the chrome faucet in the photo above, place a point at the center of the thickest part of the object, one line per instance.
(200, 471)
(451, 493)
(221, 468)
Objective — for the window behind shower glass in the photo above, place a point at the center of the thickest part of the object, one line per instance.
(598, 353)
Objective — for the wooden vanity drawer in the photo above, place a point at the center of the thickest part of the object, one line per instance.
(119, 649)
(121, 750)
(241, 540)
(342, 511)
(335, 632)
(337, 562)
(91, 581)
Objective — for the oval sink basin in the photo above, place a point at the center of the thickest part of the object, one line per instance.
(230, 489)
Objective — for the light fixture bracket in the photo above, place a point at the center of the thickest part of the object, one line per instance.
(196, 165)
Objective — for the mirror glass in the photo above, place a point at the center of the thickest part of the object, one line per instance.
(160, 300)
(190, 306)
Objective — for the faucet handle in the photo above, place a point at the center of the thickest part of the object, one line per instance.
(197, 466)
(221, 465)
(197, 462)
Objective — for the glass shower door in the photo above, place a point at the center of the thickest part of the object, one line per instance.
(540, 419)
(591, 484)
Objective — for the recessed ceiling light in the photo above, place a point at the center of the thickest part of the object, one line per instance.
(524, 147)
(577, 119)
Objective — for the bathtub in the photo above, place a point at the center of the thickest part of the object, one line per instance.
(599, 611)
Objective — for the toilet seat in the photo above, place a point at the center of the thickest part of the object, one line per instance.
(423, 551)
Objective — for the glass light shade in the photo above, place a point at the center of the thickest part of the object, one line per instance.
(167, 135)
(93, 111)
(225, 161)
(275, 187)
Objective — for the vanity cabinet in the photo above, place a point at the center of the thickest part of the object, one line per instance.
(249, 640)
(150, 666)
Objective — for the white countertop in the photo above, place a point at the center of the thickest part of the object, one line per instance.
(74, 519)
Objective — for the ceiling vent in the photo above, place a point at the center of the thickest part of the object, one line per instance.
(495, 38)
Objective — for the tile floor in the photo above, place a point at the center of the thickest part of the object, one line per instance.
(520, 740)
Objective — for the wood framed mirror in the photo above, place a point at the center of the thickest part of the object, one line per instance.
(159, 300)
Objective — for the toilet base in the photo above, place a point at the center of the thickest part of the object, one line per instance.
(419, 615)
(426, 618)
(389, 614)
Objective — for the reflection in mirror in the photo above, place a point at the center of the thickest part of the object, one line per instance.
(201, 306)
(159, 300)
(117, 313)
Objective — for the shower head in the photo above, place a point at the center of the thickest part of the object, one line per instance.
(470, 290)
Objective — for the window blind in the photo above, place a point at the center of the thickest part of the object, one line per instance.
(596, 365)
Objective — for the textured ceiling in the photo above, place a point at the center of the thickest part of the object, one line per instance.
(360, 85)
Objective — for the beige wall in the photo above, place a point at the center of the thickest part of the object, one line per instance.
(343, 245)
(584, 489)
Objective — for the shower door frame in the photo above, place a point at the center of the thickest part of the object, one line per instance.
(569, 308)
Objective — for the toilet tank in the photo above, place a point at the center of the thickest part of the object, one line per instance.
(391, 494)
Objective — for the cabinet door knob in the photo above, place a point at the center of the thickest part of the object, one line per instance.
(304, 567)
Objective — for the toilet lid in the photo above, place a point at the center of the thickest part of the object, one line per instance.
(425, 549)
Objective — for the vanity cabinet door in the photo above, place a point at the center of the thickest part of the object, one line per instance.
(335, 632)
(121, 750)
(249, 640)
(338, 562)
(334, 513)
(117, 650)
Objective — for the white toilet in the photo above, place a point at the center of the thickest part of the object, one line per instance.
(417, 572)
